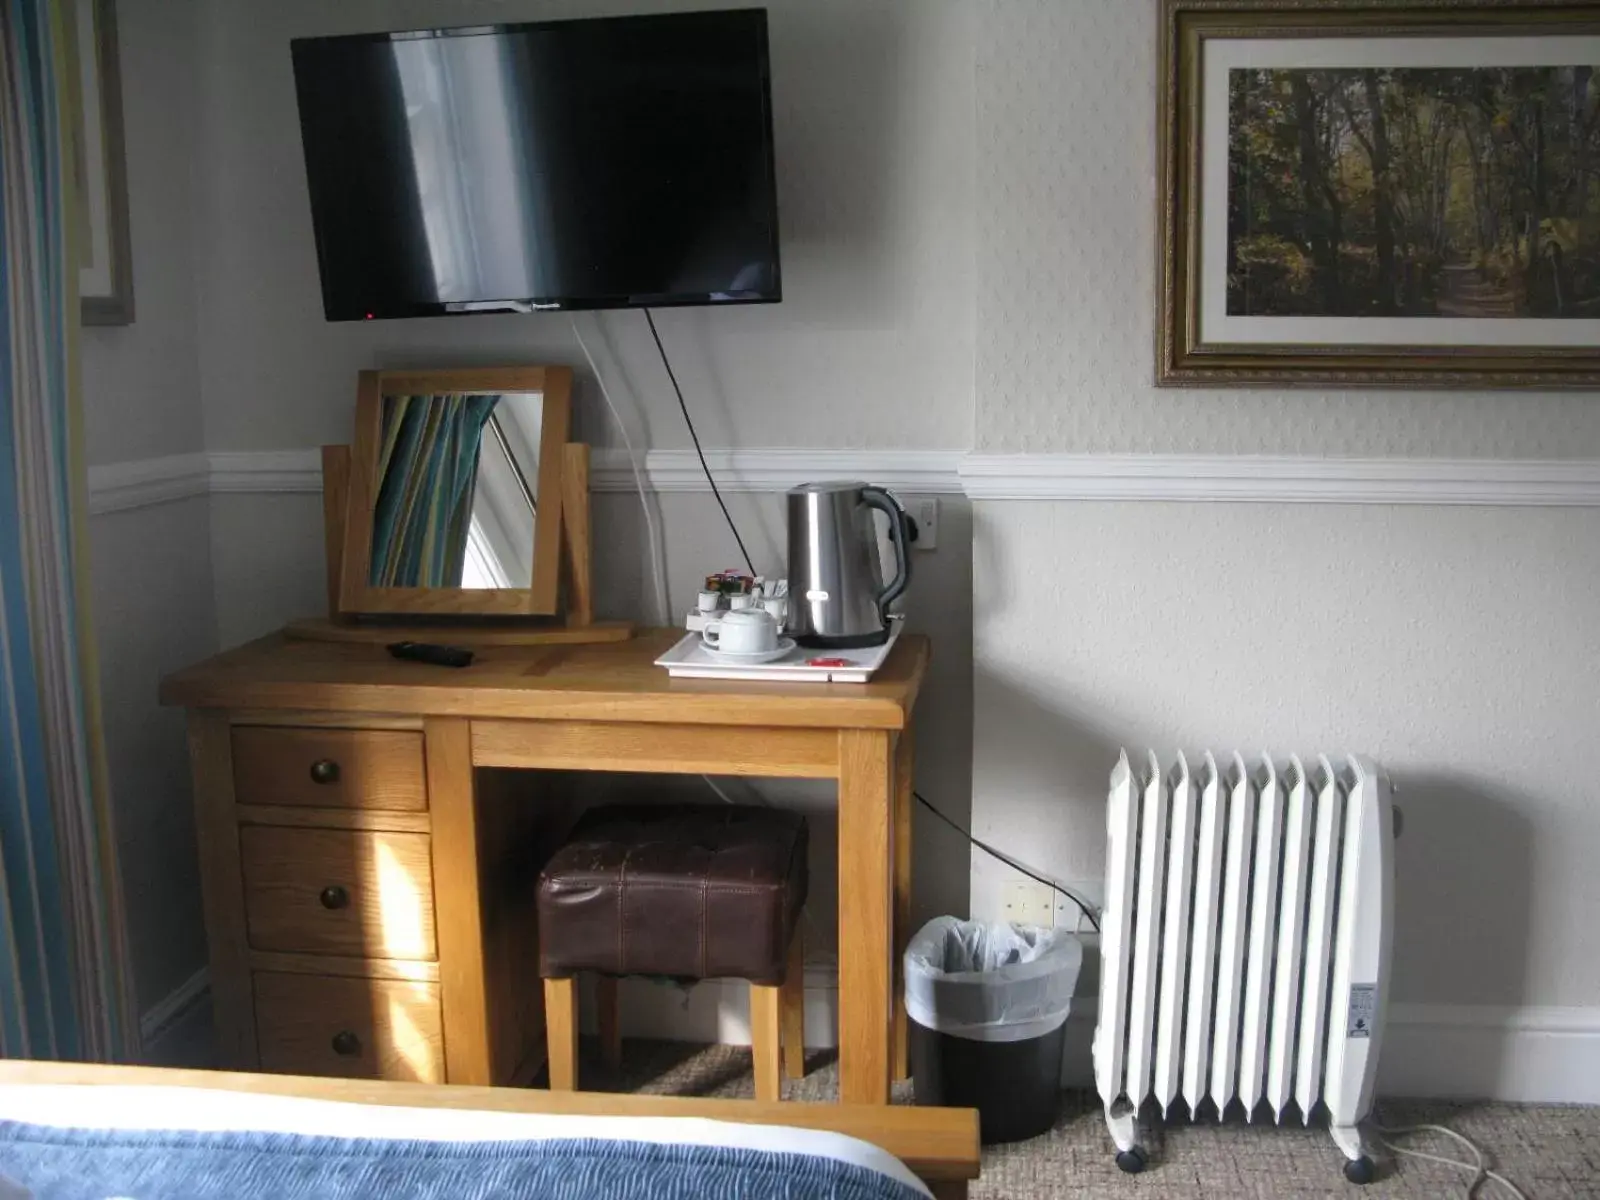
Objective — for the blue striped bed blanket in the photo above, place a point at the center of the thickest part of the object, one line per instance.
(52, 1163)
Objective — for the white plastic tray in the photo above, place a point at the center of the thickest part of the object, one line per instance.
(687, 660)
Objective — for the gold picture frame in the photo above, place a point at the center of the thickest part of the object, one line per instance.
(1201, 318)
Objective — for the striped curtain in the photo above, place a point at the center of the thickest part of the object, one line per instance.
(427, 471)
(64, 985)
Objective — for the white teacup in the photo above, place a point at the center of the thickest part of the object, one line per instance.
(707, 602)
(744, 631)
(740, 601)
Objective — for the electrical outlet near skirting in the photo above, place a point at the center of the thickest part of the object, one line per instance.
(1030, 903)
(1068, 914)
(926, 513)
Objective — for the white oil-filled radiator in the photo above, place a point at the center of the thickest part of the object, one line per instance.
(1245, 944)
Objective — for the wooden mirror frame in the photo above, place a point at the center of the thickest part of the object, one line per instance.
(542, 598)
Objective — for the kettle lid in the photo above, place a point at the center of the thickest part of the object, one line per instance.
(828, 487)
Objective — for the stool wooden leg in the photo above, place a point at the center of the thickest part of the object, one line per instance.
(605, 995)
(764, 1040)
(793, 1003)
(561, 1032)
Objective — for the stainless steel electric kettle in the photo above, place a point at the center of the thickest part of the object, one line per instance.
(837, 597)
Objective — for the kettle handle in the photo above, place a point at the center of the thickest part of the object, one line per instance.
(876, 497)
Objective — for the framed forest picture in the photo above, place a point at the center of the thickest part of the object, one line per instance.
(1380, 192)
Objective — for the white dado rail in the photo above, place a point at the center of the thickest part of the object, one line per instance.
(1282, 480)
(1147, 477)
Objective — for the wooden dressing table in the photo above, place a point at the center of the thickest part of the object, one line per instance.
(367, 887)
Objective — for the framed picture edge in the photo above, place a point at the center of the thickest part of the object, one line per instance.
(117, 308)
(1181, 360)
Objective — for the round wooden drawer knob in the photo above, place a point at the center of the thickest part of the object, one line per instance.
(324, 770)
(334, 897)
(346, 1044)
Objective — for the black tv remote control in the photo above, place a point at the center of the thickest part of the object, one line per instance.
(439, 656)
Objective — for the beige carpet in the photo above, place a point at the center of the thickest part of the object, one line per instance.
(1551, 1153)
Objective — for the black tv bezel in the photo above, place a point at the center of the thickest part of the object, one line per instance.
(525, 304)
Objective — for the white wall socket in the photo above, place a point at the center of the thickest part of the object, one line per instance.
(1030, 903)
(926, 513)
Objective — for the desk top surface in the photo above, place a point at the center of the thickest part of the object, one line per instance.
(615, 681)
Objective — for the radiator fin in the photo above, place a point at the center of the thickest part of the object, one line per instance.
(1319, 937)
(1231, 940)
(1175, 941)
(1291, 940)
(1116, 936)
(1147, 931)
(1203, 953)
(1263, 914)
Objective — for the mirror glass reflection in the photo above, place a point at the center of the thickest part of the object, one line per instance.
(458, 487)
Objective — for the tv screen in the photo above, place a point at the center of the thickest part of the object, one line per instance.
(567, 164)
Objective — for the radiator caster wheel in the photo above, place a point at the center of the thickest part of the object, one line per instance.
(1131, 1161)
(1360, 1170)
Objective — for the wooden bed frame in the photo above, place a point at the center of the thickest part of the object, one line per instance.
(939, 1145)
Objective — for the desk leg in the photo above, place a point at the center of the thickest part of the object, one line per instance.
(458, 911)
(902, 897)
(221, 887)
(866, 940)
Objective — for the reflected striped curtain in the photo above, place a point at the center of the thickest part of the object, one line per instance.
(427, 470)
(65, 991)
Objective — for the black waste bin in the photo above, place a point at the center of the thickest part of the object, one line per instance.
(988, 1007)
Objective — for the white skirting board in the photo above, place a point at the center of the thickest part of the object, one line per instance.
(1534, 1054)
(176, 1031)
(1530, 1054)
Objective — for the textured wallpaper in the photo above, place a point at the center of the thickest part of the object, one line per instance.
(1455, 645)
(1066, 205)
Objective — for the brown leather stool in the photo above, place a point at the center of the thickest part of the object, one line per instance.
(685, 891)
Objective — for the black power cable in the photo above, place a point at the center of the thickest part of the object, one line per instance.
(689, 421)
(1011, 862)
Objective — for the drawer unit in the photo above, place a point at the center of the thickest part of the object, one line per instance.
(329, 768)
(335, 891)
(359, 1028)
(316, 832)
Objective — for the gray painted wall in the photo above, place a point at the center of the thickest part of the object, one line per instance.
(872, 346)
(150, 568)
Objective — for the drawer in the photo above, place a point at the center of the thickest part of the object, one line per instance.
(329, 768)
(336, 891)
(360, 1028)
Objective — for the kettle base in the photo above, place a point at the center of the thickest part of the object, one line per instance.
(858, 641)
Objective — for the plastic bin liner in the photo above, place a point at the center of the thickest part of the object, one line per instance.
(991, 983)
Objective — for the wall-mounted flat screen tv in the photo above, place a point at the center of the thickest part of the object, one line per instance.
(608, 163)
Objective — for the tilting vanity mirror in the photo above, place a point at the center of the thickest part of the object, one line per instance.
(457, 503)
(455, 492)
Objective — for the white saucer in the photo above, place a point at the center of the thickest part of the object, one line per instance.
(753, 657)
